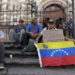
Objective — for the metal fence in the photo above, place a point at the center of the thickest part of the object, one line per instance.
(7, 24)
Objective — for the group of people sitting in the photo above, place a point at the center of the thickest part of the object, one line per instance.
(25, 35)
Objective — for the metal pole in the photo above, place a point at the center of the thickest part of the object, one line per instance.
(13, 14)
(20, 10)
(73, 22)
(32, 10)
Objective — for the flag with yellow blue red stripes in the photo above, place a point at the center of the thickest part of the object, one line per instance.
(56, 53)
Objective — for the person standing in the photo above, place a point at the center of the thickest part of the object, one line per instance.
(69, 24)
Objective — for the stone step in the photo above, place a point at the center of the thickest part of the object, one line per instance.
(18, 49)
(21, 61)
(12, 47)
(36, 70)
(17, 53)
(8, 42)
(9, 47)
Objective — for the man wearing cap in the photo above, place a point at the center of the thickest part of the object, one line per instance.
(49, 25)
(17, 33)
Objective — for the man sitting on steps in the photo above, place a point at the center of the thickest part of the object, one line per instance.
(17, 33)
(33, 31)
(51, 27)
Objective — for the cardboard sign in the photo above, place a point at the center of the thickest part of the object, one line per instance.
(53, 35)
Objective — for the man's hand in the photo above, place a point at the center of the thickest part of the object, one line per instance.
(68, 39)
(37, 39)
(33, 35)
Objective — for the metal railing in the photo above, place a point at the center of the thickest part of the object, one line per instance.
(41, 16)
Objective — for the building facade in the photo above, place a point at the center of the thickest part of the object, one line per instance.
(12, 10)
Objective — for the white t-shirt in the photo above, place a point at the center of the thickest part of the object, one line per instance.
(1, 34)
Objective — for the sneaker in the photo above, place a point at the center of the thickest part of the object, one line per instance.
(2, 66)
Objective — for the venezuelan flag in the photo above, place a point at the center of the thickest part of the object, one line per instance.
(56, 53)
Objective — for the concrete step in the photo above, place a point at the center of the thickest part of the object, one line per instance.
(28, 70)
(9, 47)
(17, 53)
(8, 42)
(36, 70)
(21, 61)
(12, 47)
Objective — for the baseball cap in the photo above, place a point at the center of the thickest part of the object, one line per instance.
(21, 20)
(50, 21)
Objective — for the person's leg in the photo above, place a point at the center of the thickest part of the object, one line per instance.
(29, 43)
(1, 56)
(12, 35)
(69, 33)
(30, 47)
(22, 32)
(25, 39)
(17, 38)
(64, 31)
